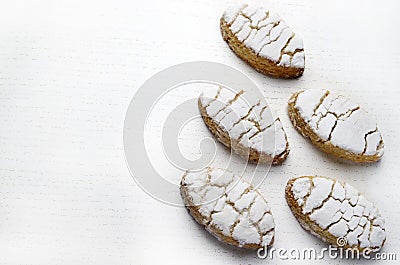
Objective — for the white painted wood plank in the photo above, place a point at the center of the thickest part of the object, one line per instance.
(68, 70)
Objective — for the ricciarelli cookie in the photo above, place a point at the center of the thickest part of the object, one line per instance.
(263, 40)
(244, 124)
(336, 125)
(336, 212)
(229, 208)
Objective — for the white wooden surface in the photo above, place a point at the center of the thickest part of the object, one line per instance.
(68, 70)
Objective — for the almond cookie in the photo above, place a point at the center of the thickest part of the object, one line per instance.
(229, 208)
(336, 125)
(246, 127)
(263, 40)
(333, 210)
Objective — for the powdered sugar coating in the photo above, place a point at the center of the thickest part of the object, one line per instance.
(246, 119)
(338, 208)
(338, 120)
(266, 34)
(230, 205)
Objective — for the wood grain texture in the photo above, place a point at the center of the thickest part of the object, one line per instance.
(68, 70)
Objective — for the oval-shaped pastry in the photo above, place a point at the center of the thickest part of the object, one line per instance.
(263, 40)
(336, 125)
(229, 208)
(336, 212)
(244, 124)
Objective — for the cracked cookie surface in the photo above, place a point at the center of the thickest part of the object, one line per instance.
(245, 124)
(331, 209)
(336, 125)
(228, 207)
(263, 40)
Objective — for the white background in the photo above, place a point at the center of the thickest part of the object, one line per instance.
(68, 70)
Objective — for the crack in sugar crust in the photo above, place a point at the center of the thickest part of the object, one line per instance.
(331, 209)
(337, 120)
(229, 208)
(242, 123)
(266, 34)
